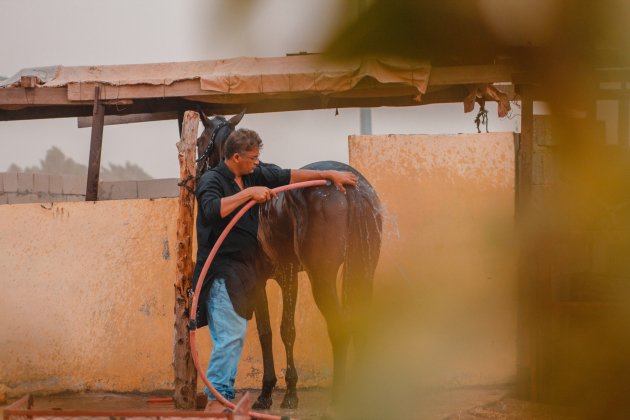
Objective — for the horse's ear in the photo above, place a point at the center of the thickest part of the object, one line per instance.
(237, 118)
(204, 119)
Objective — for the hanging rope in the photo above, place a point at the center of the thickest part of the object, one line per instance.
(482, 116)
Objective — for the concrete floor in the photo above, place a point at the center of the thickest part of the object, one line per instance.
(440, 404)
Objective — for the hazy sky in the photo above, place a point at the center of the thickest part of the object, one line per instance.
(88, 32)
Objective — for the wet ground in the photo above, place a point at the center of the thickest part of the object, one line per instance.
(475, 403)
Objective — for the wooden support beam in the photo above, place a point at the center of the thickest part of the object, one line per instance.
(463, 75)
(526, 149)
(84, 91)
(84, 122)
(527, 375)
(96, 144)
(163, 102)
(72, 100)
(34, 96)
(185, 373)
(28, 81)
(180, 120)
(623, 123)
(440, 76)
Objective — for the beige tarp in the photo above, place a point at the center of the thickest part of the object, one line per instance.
(245, 75)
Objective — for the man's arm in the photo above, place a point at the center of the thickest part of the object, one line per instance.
(232, 202)
(339, 178)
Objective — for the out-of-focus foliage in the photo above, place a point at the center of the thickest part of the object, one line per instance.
(558, 43)
(575, 226)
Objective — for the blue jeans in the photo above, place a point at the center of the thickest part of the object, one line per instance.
(227, 329)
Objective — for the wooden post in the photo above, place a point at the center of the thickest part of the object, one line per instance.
(96, 144)
(526, 328)
(185, 373)
(623, 124)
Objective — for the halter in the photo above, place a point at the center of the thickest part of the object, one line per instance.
(211, 142)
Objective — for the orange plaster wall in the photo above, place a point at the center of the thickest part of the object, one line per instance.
(446, 278)
(87, 288)
(86, 295)
(87, 302)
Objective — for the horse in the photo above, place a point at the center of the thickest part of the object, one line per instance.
(317, 230)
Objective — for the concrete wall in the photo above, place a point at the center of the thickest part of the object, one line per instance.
(22, 187)
(87, 301)
(446, 280)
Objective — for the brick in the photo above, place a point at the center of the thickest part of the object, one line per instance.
(158, 188)
(17, 198)
(55, 184)
(4, 198)
(25, 182)
(10, 182)
(1, 183)
(74, 184)
(118, 190)
(41, 183)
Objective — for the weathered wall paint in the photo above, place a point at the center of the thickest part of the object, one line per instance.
(446, 272)
(87, 301)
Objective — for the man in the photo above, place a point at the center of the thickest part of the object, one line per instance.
(227, 297)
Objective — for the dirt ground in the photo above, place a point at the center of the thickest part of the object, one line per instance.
(512, 409)
(447, 404)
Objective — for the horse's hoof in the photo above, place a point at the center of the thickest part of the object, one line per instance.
(262, 403)
(290, 401)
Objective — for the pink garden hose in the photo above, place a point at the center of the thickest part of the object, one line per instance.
(202, 276)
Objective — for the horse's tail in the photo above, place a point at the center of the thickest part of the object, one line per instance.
(362, 253)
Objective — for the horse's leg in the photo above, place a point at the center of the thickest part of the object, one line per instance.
(323, 282)
(264, 335)
(288, 282)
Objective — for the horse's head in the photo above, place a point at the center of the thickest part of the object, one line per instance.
(210, 145)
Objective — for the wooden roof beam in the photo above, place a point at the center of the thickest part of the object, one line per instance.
(470, 75)
(76, 93)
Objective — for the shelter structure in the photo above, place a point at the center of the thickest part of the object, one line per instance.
(585, 60)
(100, 95)
(118, 94)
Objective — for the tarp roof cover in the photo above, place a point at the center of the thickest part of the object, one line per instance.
(243, 75)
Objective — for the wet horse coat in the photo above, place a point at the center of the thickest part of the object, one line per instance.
(317, 230)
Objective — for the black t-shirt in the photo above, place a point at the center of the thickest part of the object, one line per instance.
(235, 260)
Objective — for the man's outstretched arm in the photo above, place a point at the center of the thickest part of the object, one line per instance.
(339, 178)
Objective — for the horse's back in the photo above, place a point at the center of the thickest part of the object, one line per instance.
(338, 221)
(364, 188)
(311, 225)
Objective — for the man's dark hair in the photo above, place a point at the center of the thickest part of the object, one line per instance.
(240, 141)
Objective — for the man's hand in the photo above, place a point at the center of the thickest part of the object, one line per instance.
(261, 194)
(341, 178)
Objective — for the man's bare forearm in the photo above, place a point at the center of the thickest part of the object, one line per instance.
(339, 178)
(231, 203)
(301, 175)
(258, 193)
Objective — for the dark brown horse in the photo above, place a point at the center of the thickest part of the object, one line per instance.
(316, 230)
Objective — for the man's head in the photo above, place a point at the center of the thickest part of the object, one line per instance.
(242, 149)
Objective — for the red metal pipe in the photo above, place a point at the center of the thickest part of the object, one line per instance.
(202, 277)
